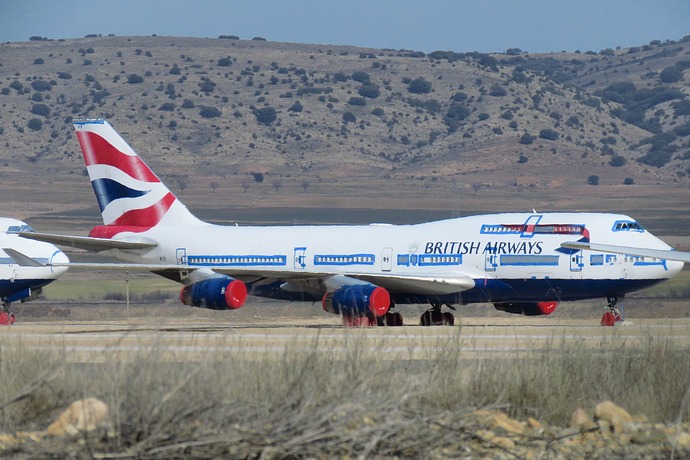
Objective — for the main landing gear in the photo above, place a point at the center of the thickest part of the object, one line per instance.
(613, 313)
(435, 317)
(391, 319)
(7, 318)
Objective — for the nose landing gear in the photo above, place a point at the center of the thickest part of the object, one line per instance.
(7, 318)
(613, 313)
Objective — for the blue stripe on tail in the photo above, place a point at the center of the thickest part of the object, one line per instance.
(108, 190)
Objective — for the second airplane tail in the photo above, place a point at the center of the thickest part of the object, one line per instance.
(131, 197)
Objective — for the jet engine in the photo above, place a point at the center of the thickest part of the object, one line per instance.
(357, 300)
(527, 308)
(223, 293)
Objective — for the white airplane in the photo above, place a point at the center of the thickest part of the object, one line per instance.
(522, 263)
(22, 280)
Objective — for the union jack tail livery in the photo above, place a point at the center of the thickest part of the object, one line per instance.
(131, 197)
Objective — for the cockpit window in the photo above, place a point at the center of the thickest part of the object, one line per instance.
(19, 229)
(627, 226)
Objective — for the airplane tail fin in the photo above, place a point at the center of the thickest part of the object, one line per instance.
(131, 197)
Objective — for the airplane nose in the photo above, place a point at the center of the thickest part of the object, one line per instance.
(59, 257)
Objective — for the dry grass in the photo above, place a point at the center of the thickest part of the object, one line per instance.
(302, 403)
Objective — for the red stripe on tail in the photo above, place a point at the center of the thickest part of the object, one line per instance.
(136, 220)
(98, 151)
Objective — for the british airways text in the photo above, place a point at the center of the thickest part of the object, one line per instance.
(476, 247)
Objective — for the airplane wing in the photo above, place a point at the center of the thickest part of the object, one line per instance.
(667, 254)
(88, 243)
(394, 283)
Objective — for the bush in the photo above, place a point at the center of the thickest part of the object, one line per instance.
(378, 111)
(617, 161)
(349, 117)
(526, 139)
(628, 181)
(671, 74)
(134, 79)
(225, 62)
(358, 101)
(167, 107)
(65, 75)
(187, 104)
(370, 91)
(455, 115)
(593, 180)
(35, 124)
(40, 109)
(296, 107)
(209, 112)
(340, 76)
(361, 77)
(548, 134)
(523, 159)
(419, 86)
(497, 90)
(265, 115)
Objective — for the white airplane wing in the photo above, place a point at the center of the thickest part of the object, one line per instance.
(88, 243)
(436, 284)
(643, 252)
(394, 283)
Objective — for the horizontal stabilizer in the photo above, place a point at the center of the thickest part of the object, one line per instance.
(21, 259)
(667, 254)
(88, 243)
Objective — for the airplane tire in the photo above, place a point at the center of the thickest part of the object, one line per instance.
(394, 319)
(607, 319)
(359, 321)
(425, 319)
(448, 319)
(13, 318)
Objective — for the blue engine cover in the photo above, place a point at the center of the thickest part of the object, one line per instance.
(357, 300)
(215, 293)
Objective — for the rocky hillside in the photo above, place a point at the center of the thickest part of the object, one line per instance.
(254, 108)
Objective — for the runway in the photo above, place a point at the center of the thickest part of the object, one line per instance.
(477, 338)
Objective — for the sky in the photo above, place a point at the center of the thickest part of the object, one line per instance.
(455, 25)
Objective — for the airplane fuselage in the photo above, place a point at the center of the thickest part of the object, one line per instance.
(509, 256)
(19, 282)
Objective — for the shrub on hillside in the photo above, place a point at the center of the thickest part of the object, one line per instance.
(548, 134)
(671, 74)
(135, 79)
(265, 115)
(497, 90)
(526, 139)
(209, 112)
(361, 77)
(358, 101)
(35, 124)
(419, 86)
(40, 109)
(225, 62)
(370, 91)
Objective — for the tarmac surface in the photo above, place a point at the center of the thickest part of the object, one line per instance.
(476, 338)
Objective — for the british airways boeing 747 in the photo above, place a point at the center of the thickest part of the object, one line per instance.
(524, 263)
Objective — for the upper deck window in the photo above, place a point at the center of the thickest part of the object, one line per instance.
(627, 226)
(549, 229)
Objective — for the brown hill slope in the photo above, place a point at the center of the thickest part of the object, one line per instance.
(235, 124)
